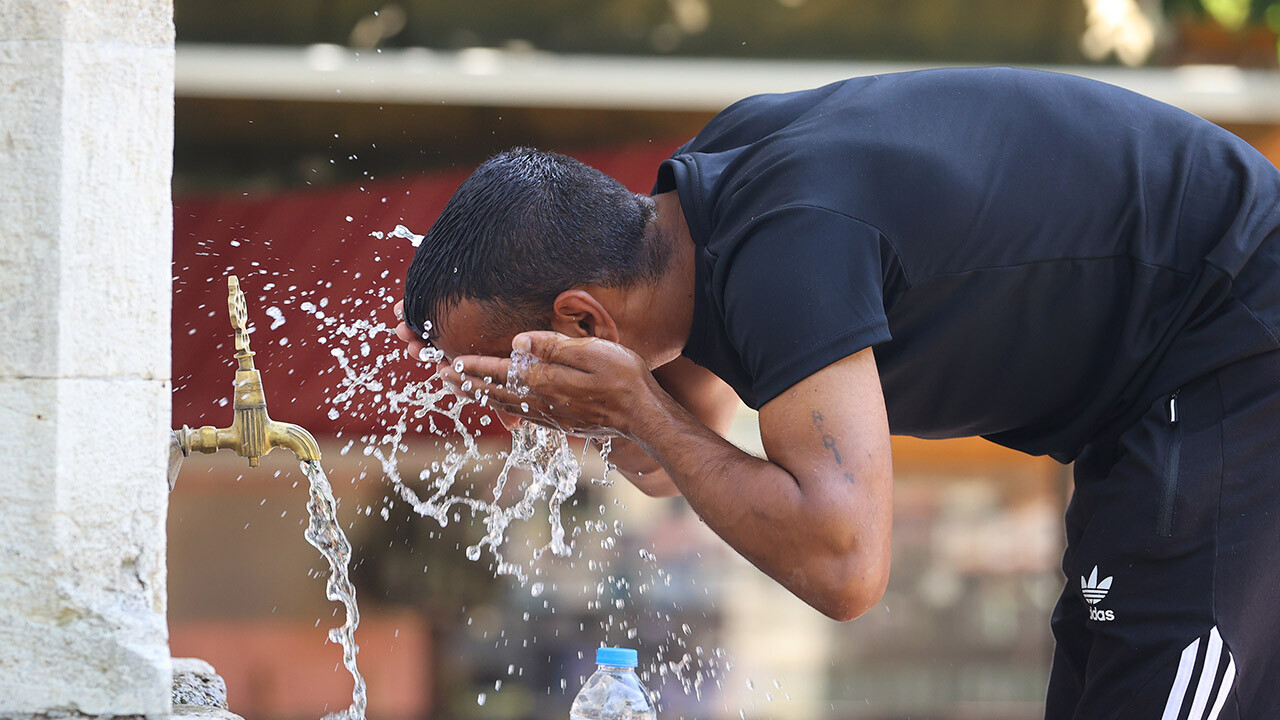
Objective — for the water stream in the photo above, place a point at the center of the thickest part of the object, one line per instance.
(326, 535)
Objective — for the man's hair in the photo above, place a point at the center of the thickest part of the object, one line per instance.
(523, 228)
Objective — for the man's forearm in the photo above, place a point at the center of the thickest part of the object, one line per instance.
(794, 531)
(705, 396)
(816, 516)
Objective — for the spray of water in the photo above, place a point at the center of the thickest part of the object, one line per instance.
(366, 356)
(539, 471)
(543, 453)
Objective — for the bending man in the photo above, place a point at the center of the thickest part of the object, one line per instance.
(1057, 265)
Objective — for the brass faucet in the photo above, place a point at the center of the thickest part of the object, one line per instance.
(252, 433)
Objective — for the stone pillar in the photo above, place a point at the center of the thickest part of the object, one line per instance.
(86, 144)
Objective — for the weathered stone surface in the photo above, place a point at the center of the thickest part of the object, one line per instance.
(86, 144)
(137, 22)
(29, 192)
(183, 712)
(68, 715)
(196, 683)
(192, 712)
(86, 133)
(82, 588)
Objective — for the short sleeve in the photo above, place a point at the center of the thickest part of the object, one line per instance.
(802, 289)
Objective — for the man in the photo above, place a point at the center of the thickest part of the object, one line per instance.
(1057, 265)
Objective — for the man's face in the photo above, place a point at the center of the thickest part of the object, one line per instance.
(465, 330)
(462, 332)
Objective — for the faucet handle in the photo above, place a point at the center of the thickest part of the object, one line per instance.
(239, 315)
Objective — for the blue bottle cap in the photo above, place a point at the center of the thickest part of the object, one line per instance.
(617, 657)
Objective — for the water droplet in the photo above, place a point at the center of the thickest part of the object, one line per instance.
(405, 233)
(277, 317)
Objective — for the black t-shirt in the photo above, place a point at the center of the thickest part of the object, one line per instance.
(1035, 257)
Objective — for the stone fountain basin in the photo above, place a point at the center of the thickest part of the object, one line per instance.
(199, 693)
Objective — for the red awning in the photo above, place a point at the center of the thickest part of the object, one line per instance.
(310, 246)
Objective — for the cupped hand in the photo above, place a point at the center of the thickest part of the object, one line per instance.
(583, 386)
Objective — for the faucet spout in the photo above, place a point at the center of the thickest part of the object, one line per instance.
(295, 438)
(252, 433)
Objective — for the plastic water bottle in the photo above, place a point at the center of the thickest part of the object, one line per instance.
(613, 692)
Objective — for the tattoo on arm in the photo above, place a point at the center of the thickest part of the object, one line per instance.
(829, 442)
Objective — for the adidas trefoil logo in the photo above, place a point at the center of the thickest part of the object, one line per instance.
(1094, 591)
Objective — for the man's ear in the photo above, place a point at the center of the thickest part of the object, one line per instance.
(577, 313)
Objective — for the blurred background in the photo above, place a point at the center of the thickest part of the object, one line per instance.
(305, 125)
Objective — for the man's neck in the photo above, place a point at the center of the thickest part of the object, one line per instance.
(673, 299)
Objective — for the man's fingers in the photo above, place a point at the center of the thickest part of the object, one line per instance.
(416, 346)
(399, 310)
(498, 395)
(485, 366)
(479, 372)
(404, 333)
(552, 347)
(544, 377)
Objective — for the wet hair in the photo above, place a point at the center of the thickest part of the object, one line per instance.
(524, 227)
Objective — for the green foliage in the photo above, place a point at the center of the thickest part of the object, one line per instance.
(1234, 15)
(1231, 14)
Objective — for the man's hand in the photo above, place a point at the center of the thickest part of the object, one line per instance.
(415, 343)
(583, 386)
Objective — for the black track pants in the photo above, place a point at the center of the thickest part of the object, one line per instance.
(1172, 604)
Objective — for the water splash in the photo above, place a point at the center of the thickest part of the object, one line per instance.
(541, 470)
(544, 453)
(369, 376)
(521, 363)
(555, 470)
(539, 473)
(324, 533)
